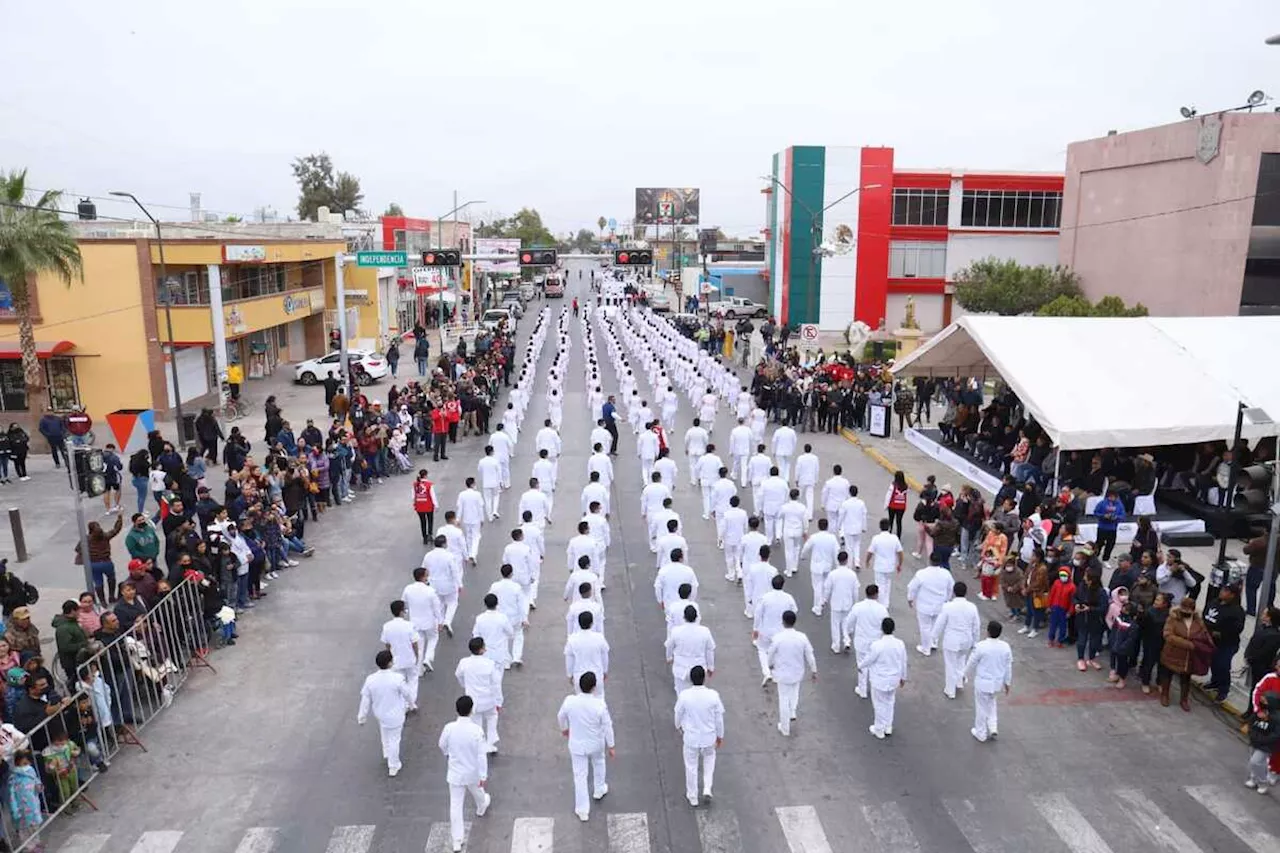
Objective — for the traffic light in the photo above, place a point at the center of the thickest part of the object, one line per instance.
(442, 258)
(537, 257)
(633, 258)
(91, 477)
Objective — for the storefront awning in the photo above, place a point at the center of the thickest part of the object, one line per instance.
(44, 349)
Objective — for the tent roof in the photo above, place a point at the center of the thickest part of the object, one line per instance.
(1129, 382)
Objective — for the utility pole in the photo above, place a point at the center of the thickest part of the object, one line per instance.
(340, 289)
(70, 456)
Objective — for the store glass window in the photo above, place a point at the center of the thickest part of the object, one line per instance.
(64, 393)
(13, 387)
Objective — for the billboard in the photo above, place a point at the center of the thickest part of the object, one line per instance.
(667, 206)
(498, 246)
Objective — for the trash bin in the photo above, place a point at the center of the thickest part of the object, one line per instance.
(188, 429)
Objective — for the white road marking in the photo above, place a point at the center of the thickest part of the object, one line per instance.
(532, 835)
(629, 833)
(160, 841)
(85, 843)
(1070, 825)
(1158, 826)
(1227, 809)
(260, 839)
(802, 829)
(351, 839)
(440, 837)
(718, 831)
(889, 826)
(971, 825)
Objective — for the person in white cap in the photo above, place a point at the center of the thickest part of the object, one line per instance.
(991, 668)
(700, 721)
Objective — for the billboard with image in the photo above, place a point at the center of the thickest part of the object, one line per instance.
(667, 206)
(498, 246)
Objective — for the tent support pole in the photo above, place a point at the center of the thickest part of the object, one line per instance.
(1057, 466)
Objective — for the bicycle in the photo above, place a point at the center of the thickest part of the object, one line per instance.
(234, 409)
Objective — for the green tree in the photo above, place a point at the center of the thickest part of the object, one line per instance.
(346, 193)
(601, 223)
(393, 209)
(233, 219)
(526, 225)
(1007, 287)
(34, 238)
(319, 186)
(1078, 306)
(585, 241)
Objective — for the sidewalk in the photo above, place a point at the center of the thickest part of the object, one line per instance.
(897, 454)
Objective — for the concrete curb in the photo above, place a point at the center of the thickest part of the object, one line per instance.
(879, 458)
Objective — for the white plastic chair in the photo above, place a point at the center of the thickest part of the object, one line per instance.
(1145, 504)
(1091, 502)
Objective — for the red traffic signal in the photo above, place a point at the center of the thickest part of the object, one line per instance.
(633, 258)
(538, 257)
(442, 258)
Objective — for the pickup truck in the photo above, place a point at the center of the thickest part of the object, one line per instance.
(737, 306)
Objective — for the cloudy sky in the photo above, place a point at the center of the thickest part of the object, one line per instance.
(566, 105)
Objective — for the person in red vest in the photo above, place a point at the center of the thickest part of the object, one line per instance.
(453, 409)
(895, 500)
(424, 504)
(439, 432)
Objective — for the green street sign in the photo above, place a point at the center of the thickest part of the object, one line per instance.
(381, 259)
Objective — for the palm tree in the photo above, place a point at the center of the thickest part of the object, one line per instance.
(34, 238)
(601, 223)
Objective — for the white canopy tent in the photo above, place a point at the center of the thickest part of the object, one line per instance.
(1120, 382)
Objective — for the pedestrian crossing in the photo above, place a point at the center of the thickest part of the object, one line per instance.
(1210, 819)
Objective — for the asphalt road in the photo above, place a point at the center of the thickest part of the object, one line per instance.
(266, 755)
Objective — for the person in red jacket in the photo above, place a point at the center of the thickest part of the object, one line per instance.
(1061, 598)
(439, 432)
(453, 409)
(424, 504)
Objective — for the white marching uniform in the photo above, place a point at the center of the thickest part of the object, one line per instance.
(707, 471)
(426, 614)
(489, 473)
(929, 589)
(463, 744)
(513, 604)
(807, 481)
(834, 491)
(699, 717)
(791, 526)
(840, 588)
(784, 450)
(789, 653)
(586, 718)
(587, 651)
(851, 523)
(767, 621)
(688, 645)
(956, 631)
(471, 515)
(735, 528)
(822, 550)
(386, 694)
(886, 665)
(480, 677)
(863, 626)
(444, 572)
(991, 668)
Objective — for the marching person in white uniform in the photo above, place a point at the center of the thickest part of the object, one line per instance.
(598, 525)
(497, 630)
(525, 566)
(739, 450)
(426, 614)
(503, 449)
(386, 694)
(757, 470)
(789, 653)
(791, 527)
(670, 540)
(688, 645)
(708, 472)
(929, 589)
(886, 665)
(587, 651)
(852, 523)
(544, 471)
(884, 553)
(767, 621)
(721, 491)
(600, 462)
(515, 606)
(834, 491)
(807, 479)
(471, 515)
(822, 549)
(863, 627)
(700, 721)
(991, 668)
(444, 573)
(665, 468)
(784, 450)
(696, 439)
(536, 502)
(735, 528)
(840, 588)
(481, 678)
(581, 574)
(463, 744)
(595, 492)
(489, 470)
(584, 720)
(585, 601)
(401, 639)
(957, 630)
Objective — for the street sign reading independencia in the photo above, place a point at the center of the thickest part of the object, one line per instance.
(381, 259)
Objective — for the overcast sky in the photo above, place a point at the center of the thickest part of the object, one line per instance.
(567, 105)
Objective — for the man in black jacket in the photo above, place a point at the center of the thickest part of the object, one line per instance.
(118, 671)
(1225, 620)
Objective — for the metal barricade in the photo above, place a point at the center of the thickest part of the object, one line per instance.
(121, 687)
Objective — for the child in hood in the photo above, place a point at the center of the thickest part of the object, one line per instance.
(1264, 741)
(1061, 598)
(1122, 621)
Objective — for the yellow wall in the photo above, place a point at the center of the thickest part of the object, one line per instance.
(210, 252)
(191, 323)
(103, 316)
(356, 279)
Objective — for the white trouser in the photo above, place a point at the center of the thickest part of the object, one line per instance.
(784, 466)
(458, 795)
(772, 528)
(581, 799)
(740, 465)
(748, 606)
(490, 503)
(762, 652)
(732, 561)
(806, 497)
(882, 701)
(860, 650)
(788, 704)
(550, 492)
(694, 459)
(427, 642)
(391, 744)
(530, 591)
(984, 714)
(818, 580)
(517, 642)
(411, 675)
(682, 682)
(954, 662)
(597, 562)
(719, 528)
(691, 756)
(755, 507)
(706, 499)
(791, 553)
(925, 621)
(885, 582)
(471, 536)
(833, 515)
(505, 466)
(488, 722)
(838, 636)
(646, 469)
(669, 419)
(853, 544)
(450, 602)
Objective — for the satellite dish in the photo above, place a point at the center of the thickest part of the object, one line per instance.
(1256, 97)
(1187, 112)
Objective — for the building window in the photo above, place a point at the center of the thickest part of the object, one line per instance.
(246, 282)
(921, 207)
(13, 387)
(192, 289)
(397, 237)
(917, 259)
(1010, 209)
(64, 393)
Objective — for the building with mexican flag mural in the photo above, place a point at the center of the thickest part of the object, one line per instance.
(852, 237)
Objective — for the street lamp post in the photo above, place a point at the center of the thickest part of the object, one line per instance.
(815, 236)
(440, 245)
(167, 296)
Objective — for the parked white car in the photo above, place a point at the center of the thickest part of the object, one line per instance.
(367, 367)
(738, 306)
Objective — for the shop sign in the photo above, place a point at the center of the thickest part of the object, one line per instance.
(244, 254)
(297, 303)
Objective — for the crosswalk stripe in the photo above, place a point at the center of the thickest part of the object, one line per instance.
(802, 829)
(965, 815)
(260, 839)
(1228, 810)
(1158, 826)
(440, 837)
(532, 835)
(159, 841)
(629, 833)
(85, 843)
(351, 839)
(1070, 825)
(889, 826)
(718, 831)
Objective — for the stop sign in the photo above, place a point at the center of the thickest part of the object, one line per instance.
(79, 423)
